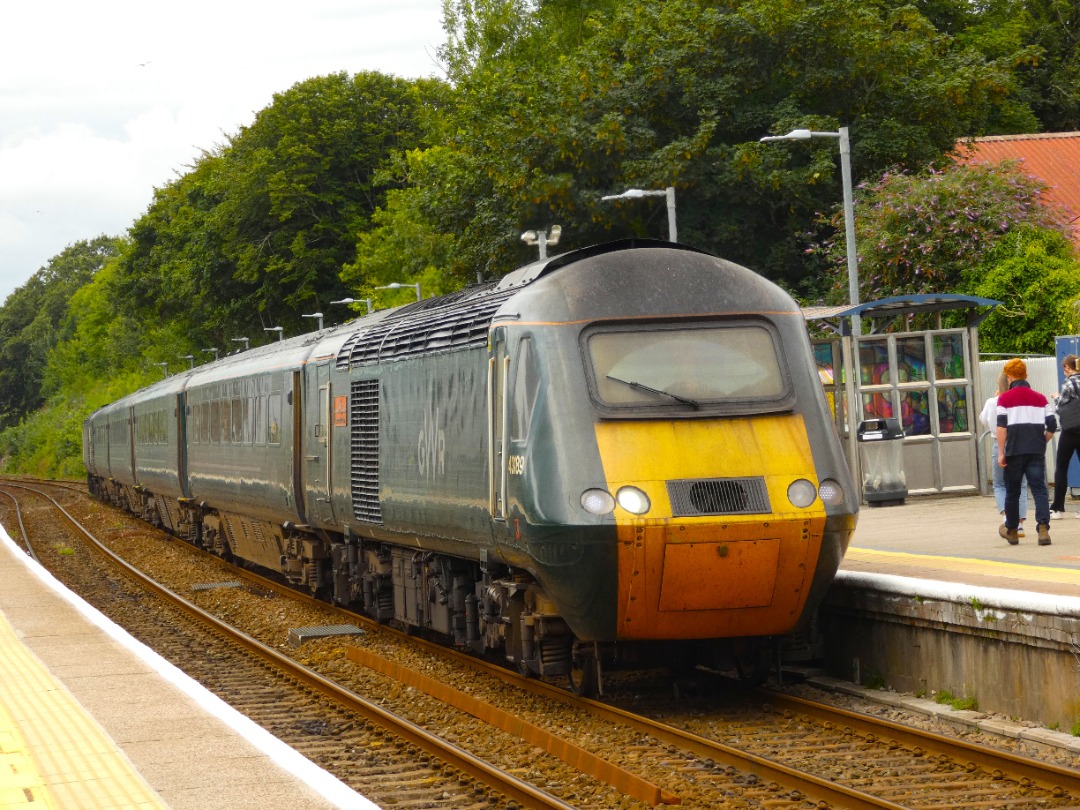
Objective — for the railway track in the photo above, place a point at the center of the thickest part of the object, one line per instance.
(723, 748)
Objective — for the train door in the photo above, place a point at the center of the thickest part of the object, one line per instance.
(318, 460)
(498, 404)
(131, 445)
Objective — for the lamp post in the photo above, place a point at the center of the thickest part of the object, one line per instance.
(849, 207)
(212, 350)
(355, 301)
(315, 315)
(189, 357)
(244, 340)
(279, 329)
(637, 194)
(399, 286)
(164, 369)
(543, 238)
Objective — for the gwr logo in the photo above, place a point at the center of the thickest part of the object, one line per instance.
(431, 446)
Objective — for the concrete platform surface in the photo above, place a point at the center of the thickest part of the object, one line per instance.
(91, 719)
(956, 539)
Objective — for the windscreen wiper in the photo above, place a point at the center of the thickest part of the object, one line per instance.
(675, 397)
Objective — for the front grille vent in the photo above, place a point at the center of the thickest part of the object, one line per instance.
(459, 321)
(718, 496)
(365, 451)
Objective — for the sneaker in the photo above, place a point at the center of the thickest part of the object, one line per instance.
(1060, 515)
(1044, 534)
(1011, 536)
(1020, 530)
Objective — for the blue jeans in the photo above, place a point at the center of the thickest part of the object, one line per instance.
(1032, 467)
(999, 488)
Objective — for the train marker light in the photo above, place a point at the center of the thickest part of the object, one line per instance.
(597, 501)
(831, 492)
(633, 500)
(802, 493)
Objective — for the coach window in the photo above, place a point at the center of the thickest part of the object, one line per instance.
(260, 420)
(226, 421)
(526, 383)
(238, 421)
(273, 419)
(215, 421)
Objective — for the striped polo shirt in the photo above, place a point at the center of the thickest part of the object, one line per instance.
(1026, 416)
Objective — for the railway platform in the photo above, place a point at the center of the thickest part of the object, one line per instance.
(91, 719)
(930, 599)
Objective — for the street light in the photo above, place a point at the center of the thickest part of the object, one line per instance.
(164, 369)
(355, 301)
(849, 207)
(279, 329)
(189, 357)
(315, 315)
(543, 238)
(244, 340)
(212, 350)
(399, 286)
(637, 194)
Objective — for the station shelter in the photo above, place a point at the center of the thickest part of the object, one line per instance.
(915, 359)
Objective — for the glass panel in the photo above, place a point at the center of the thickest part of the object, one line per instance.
(238, 421)
(910, 360)
(215, 421)
(260, 420)
(949, 357)
(877, 406)
(915, 413)
(705, 365)
(273, 419)
(873, 363)
(226, 421)
(952, 409)
(526, 383)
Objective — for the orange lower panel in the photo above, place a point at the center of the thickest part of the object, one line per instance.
(712, 581)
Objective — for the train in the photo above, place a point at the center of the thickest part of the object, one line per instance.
(612, 456)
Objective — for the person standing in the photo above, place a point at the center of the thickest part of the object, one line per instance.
(1068, 438)
(1025, 423)
(988, 417)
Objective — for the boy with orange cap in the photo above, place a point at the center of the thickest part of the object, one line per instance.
(1025, 423)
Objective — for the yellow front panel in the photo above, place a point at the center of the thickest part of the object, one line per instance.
(712, 576)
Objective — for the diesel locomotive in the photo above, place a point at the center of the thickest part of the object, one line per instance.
(615, 452)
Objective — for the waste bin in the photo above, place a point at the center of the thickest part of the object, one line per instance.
(882, 459)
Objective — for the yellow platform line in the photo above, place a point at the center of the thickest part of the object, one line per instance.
(1040, 573)
(53, 754)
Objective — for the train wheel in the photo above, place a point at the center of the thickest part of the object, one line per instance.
(584, 675)
(753, 664)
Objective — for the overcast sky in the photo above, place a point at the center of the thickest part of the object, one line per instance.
(101, 102)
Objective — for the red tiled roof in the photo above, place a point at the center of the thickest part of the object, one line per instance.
(1053, 157)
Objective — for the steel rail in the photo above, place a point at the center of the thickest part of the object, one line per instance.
(528, 796)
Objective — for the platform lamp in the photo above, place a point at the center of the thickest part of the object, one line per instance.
(164, 369)
(849, 207)
(366, 301)
(212, 350)
(244, 340)
(638, 193)
(542, 239)
(189, 357)
(315, 315)
(396, 285)
(279, 329)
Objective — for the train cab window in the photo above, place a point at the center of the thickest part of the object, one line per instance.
(526, 384)
(686, 367)
(273, 419)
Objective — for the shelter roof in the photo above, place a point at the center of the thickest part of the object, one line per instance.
(886, 309)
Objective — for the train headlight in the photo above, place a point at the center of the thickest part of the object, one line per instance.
(801, 493)
(597, 501)
(633, 500)
(831, 492)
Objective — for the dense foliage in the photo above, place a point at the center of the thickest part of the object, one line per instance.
(345, 184)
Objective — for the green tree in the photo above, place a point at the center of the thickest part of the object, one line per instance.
(30, 323)
(1035, 273)
(678, 93)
